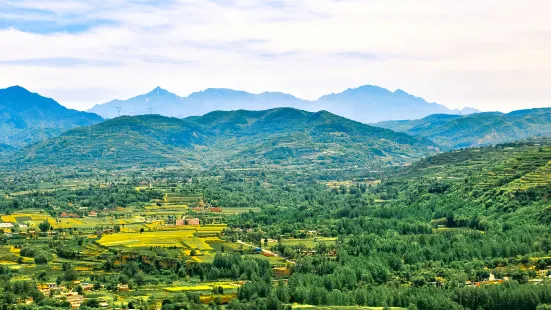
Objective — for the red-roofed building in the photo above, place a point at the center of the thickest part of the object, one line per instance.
(186, 221)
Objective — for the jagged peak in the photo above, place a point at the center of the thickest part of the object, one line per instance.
(158, 91)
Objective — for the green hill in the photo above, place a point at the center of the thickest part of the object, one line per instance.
(456, 131)
(123, 141)
(282, 136)
(471, 186)
(286, 136)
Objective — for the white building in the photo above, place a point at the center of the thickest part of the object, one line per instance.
(6, 225)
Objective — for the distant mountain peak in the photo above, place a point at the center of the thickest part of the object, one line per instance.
(469, 110)
(158, 91)
(401, 92)
(17, 88)
(366, 103)
(28, 117)
(371, 89)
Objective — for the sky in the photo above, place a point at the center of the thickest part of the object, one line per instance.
(488, 54)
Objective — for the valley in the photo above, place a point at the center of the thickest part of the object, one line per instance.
(432, 235)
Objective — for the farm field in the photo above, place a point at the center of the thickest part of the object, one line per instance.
(309, 243)
(205, 286)
(181, 238)
(230, 211)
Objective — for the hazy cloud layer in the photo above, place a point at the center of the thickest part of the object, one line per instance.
(492, 55)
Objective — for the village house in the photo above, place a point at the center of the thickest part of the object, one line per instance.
(281, 271)
(68, 215)
(108, 231)
(187, 221)
(123, 287)
(44, 289)
(193, 221)
(51, 285)
(74, 299)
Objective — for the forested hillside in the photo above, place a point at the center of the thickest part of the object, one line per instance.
(427, 235)
(279, 137)
(455, 131)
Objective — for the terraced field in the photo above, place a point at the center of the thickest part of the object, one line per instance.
(206, 286)
(168, 238)
(513, 168)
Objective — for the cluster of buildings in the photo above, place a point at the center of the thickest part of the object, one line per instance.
(76, 300)
(206, 207)
(10, 230)
(63, 293)
(541, 276)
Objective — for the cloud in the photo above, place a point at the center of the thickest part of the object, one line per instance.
(487, 54)
(58, 62)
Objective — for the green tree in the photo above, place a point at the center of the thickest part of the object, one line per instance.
(41, 259)
(44, 226)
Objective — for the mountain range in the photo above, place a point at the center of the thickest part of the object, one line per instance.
(364, 104)
(281, 136)
(27, 117)
(481, 129)
(276, 136)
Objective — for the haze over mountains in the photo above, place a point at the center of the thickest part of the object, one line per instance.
(281, 136)
(364, 104)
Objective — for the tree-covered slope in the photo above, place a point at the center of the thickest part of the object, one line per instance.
(27, 117)
(455, 131)
(290, 136)
(282, 136)
(475, 186)
(123, 141)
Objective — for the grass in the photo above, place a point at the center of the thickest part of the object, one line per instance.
(205, 286)
(309, 243)
(230, 211)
